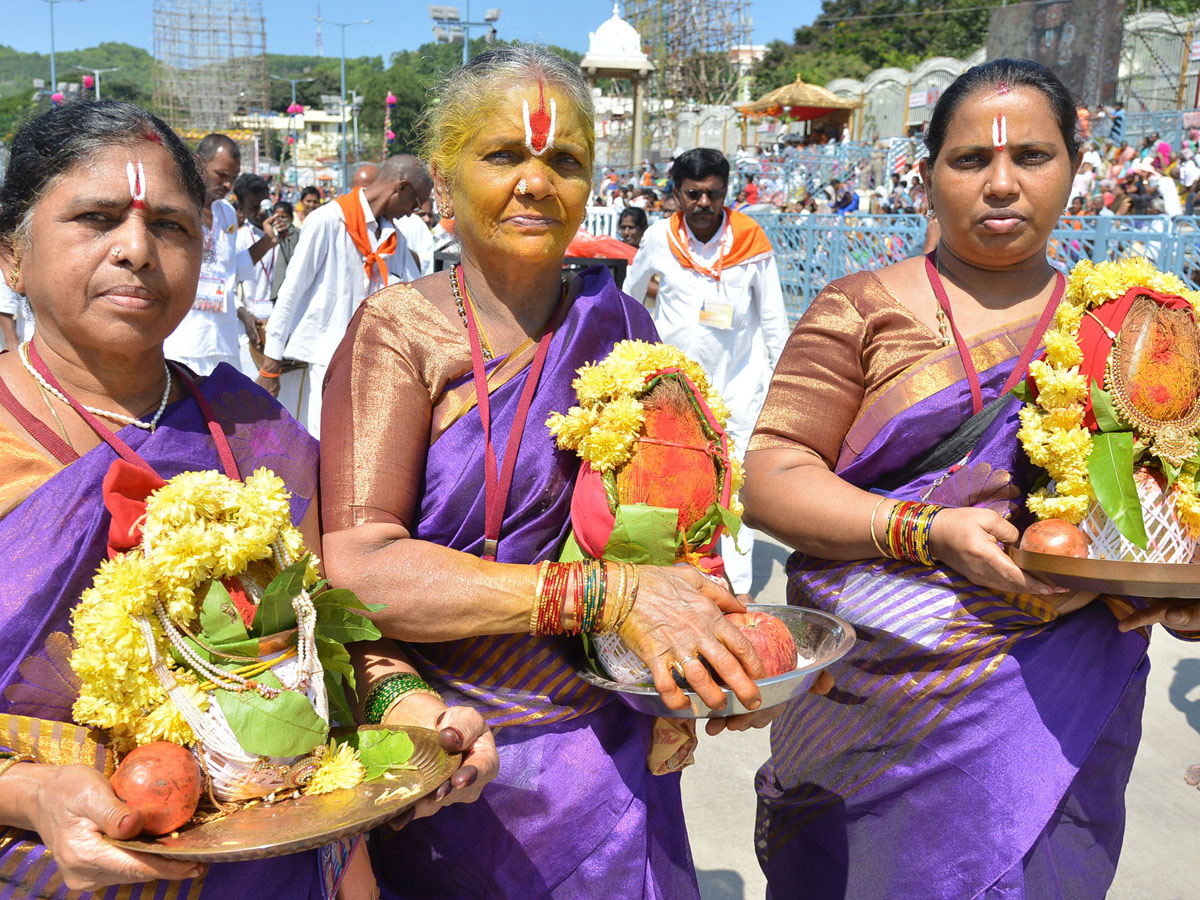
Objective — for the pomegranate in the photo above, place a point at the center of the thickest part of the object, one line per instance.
(161, 781)
(770, 639)
(1057, 537)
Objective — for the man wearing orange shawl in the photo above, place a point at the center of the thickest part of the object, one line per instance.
(719, 300)
(348, 250)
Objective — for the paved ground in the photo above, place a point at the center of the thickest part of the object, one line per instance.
(1161, 859)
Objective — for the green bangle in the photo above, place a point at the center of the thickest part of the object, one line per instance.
(388, 691)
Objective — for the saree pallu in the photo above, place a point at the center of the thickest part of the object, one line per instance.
(976, 744)
(574, 811)
(54, 541)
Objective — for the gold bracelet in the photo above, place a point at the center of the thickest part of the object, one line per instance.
(6, 764)
(612, 610)
(874, 539)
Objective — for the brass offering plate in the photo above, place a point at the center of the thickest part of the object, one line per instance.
(1173, 581)
(305, 823)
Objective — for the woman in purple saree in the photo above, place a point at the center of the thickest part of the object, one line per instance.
(101, 230)
(981, 733)
(416, 516)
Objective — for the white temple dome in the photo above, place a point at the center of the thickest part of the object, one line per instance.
(616, 44)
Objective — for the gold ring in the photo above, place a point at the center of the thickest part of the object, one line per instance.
(691, 658)
(676, 665)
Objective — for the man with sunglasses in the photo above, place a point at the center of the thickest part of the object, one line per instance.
(348, 249)
(719, 300)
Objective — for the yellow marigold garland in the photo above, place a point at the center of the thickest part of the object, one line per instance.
(603, 427)
(1052, 430)
(199, 526)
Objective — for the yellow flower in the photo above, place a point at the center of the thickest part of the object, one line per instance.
(1062, 349)
(1057, 386)
(339, 768)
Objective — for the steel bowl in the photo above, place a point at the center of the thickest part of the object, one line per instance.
(820, 637)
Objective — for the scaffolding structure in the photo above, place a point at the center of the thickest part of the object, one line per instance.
(691, 44)
(210, 62)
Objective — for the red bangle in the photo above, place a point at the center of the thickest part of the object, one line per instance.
(266, 374)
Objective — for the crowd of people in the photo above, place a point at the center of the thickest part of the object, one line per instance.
(181, 317)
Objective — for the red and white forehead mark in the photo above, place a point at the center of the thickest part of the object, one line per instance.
(1003, 88)
(539, 125)
(137, 183)
(1000, 132)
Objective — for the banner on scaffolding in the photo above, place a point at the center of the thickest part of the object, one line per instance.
(1078, 39)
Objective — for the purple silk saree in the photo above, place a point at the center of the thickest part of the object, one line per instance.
(53, 542)
(975, 745)
(574, 812)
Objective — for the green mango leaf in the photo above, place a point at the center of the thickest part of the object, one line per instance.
(275, 611)
(286, 725)
(345, 599)
(1110, 469)
(334, 658)
(381, 750)
(644, 535)
(1104, 411)
(1022, 391)
(337, 623)
(220, 622)
(571, 551)
(1171, 471)
(339, 704)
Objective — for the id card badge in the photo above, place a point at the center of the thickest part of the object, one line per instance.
(210, 295)
(717, 312)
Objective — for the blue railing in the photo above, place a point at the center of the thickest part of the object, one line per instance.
(814, 250)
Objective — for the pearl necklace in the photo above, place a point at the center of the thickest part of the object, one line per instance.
(23, 352)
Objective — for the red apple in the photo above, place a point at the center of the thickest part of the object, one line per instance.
(1057, 537)
(161, 781)
(770, 639)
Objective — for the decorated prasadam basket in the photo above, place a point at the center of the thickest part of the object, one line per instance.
(658, 484)
(1114, 413)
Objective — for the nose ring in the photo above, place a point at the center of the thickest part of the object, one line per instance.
(115, 252)
(523, 187)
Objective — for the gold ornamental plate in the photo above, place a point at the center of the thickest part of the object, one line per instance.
(289, 826)
(1172, 581)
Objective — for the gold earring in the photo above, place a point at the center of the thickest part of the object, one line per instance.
(16, 271)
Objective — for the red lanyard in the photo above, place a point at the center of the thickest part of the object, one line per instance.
(123, 450)
(496, 489)
(964, 353)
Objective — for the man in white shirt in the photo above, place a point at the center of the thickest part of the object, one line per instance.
(719, 300)
(1189, 169)
(208, 334)
(349, 249)
(417, 232)
(254, 294)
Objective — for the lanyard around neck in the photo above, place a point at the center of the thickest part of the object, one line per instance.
(122, 449)
(964, 352)
(496, 488)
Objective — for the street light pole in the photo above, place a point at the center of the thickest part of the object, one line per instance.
(444, 16)
(53, 73)
(345, 152)
(96, 75)
(295, 137)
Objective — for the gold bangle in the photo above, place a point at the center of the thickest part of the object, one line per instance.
(539, 599)
(874, 539)
(630, 600)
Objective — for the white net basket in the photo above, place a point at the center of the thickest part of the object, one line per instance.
(1168, 540)
(621, 663)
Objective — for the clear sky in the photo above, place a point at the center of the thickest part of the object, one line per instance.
(398, 24)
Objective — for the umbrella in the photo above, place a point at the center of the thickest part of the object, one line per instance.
(801, 101)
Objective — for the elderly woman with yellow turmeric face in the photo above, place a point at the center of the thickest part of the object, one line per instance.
(442, 490)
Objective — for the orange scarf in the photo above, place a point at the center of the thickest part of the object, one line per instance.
(356, 225)
(749, 243)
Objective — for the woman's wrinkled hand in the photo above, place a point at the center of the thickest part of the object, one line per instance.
(678, 619)
(73, 810)
(461, 729)
(968, 540)
(1171, 613)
